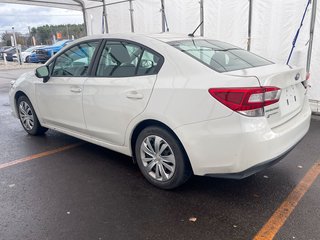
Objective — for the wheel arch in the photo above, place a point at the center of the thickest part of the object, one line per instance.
(16, 97)
(19, 94)
(151, 122)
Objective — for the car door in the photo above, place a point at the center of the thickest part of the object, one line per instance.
(60, 99)
(124, 78)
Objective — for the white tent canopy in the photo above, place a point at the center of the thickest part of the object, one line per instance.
(66, 4)
(274, 24)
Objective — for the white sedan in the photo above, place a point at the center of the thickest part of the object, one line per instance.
(25, 55)
(178, 105)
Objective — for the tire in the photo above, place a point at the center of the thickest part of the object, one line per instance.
(28, 117)
(27, 59)
(161, 158)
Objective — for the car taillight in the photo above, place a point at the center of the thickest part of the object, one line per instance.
(248, 101)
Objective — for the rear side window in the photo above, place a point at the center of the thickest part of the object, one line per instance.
(122, 59)
(221, 57)
(148, 63)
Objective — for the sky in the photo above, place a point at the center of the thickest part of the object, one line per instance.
(22, 16)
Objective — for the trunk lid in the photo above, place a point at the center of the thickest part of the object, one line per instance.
(289, 80)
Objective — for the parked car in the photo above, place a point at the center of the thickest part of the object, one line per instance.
(178, 105)
(25, 55)
(2, 50)
(9, 53)
(33, 57)
(42, 54)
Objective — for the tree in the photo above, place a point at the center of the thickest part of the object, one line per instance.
(44, 34)
(6, 37)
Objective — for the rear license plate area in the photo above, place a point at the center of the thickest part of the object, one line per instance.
(290, 99)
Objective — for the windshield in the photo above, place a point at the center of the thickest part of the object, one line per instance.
(220, 56)
(30, 49)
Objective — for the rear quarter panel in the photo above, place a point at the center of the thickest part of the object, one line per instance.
(180, 95)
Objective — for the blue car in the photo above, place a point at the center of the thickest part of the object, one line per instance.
(33, 57)
(43, 54)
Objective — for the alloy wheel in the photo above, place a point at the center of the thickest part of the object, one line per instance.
(26, 115)
(157, 158)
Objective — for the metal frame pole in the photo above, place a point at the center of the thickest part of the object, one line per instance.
(249, 25)
(163, 16)
(16, 46)
(131, 15)
(201, 18)
(104, 12)
(85, 21)
(84, 14)
(29, 29)
(312, 26)
(91, 24)
(5, 59)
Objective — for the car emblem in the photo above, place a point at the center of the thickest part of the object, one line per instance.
(297, 77)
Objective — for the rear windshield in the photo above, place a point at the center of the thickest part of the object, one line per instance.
(220, 56)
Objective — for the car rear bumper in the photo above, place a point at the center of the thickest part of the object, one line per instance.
(239, 146)
(254, 169)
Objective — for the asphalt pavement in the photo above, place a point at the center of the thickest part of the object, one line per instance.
(88, 192)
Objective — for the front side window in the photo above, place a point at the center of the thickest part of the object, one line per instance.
(122, 59)
(219, 56)
(75, 61)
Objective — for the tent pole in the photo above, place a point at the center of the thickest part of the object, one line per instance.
(84, 14)
(85, 21)
(16, 45)
(249, 26)
(163, 16)
(105, 16)
(131, 15)
(312, 25)
(201, 18)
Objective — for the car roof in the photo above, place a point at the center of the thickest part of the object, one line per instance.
(170, 37)
(9, 49)
(163, 37)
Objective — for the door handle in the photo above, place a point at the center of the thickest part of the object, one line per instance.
(75, 90)
(134, 95)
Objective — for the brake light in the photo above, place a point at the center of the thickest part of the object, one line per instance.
(248, 101)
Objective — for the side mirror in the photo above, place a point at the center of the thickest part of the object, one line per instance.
(43, 72)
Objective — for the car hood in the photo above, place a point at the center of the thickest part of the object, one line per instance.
(25, 76)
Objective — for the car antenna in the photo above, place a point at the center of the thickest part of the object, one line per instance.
(192, 34)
